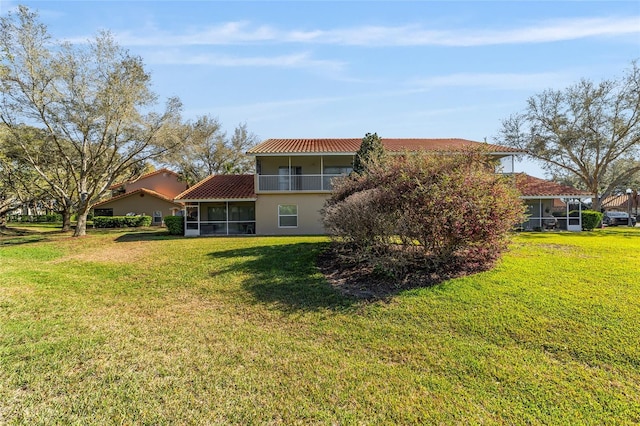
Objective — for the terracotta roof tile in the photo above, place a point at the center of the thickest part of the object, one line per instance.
(137, 191)
(350, 146)
(530, 186)
(621, 200)
(221, 187)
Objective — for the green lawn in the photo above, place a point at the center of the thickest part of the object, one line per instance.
(142, 328)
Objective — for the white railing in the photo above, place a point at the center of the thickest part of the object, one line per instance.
(288, 183)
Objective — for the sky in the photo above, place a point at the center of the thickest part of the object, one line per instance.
(332, 69)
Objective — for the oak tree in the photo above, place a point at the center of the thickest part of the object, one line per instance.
(588, 133)
(93, 102)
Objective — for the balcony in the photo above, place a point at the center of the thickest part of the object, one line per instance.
(297, 183)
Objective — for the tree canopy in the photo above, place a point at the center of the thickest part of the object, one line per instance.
(92, 101)
(206, 150)
(587, 134)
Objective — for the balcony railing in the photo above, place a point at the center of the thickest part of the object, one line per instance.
(290, 183)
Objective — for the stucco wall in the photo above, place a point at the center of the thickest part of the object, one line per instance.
(309, 206)
(163, 183)
(139, 205)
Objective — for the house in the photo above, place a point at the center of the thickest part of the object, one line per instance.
(545, 199)
(151, 194)
(292, 181)
(622, 203)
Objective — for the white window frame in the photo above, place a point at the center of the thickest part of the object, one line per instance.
(287, 215)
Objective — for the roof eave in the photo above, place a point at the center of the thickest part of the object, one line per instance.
(545, 196)
(213, 200)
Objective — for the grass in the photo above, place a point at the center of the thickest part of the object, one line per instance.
(142, 328)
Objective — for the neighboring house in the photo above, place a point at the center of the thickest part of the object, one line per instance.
(151, 194)
(543, 199)
(621, 203)
(293, 180)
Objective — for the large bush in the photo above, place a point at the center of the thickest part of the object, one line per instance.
(121, 221)
(175, 224)
(443, 214)
(591, 219)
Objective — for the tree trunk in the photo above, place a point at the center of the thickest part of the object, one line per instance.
(81, 225)
(595, 203)
(66, 220)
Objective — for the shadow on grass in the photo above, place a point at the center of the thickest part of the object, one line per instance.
(16, 236)
(135, 236)
(285, 275)
(598, 232)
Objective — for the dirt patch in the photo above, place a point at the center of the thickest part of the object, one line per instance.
(362, 282)
(110, 253)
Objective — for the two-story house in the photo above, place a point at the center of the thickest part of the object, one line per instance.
(292, 181)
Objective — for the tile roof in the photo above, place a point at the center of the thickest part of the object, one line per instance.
(530, 186)
(621, 200)
(144, 176)
(351, 146)
(221, 187)
(137, 191)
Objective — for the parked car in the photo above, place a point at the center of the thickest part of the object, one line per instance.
(617, 218)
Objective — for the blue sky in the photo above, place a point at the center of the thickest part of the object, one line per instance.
(341, 69)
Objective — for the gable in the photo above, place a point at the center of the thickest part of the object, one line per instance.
(162, 181)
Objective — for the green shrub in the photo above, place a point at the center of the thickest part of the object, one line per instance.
(175, 224)
(121, 221)
(591, 219)
(74, 217)
(48, 218)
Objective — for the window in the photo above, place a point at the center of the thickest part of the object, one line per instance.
(192, 213)
(157, 217)
(288, 216)
(242, 212)
(217, 212)
(285, 174)
(338, 170)
(103, 212)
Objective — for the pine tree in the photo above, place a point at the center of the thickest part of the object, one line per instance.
(371, 150)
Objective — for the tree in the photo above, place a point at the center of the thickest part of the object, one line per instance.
(92, 102)
(588, 132)
(440, 214)
(371, 151)
(206, 150)
(18, 181)
(49, 182)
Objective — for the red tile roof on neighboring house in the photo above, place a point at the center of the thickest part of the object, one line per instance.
(530, 186)
(350, 146)
(144, 176)
(137, 191)
(221, 187)
(617, 201)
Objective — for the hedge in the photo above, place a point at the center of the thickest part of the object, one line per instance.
(175, 224)
(591, 219)
(56, 217)
(121, 221)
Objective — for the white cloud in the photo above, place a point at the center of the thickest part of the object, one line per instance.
(244, 32)
(294, 60)
(502, 81)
